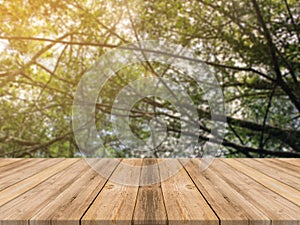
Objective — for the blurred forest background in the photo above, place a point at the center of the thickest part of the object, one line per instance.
(251, 46)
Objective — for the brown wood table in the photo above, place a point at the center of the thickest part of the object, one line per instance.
(228, 192)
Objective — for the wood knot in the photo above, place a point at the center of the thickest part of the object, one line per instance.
(109, 186)
(189, 186)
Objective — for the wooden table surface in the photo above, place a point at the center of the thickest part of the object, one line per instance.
(229, 192)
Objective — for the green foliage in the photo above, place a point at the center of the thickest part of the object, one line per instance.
(252, 48)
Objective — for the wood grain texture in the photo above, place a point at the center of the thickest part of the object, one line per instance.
(17, 166)
(278, 187)
(4, 162)
(281, 165)
(295, 162)
(278, 172)
(256, 191)
(22, 207)
(150, 207)
(229, 204)
(23, 169)
(184, 203)
(116, 202)
(69, 206)
(228, 192)
(288, 167)
(21, 187)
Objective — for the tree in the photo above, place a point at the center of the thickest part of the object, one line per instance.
(252, 48)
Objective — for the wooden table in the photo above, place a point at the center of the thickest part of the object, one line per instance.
(229, 192)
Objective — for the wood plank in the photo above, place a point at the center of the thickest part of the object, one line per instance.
(150, 207)
(21, 209)
(279, 209)
(295, 162)
(231, 207)
(184, 203)
(12, 168)
(115, 203)
(273, 170)
(70, 205)
(282, 189)
(236, 191)
(287, 166)
(21, 187)
(282, 166)
(21, 172)
(6, 161)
